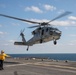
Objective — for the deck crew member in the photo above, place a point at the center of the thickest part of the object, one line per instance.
(2, 58)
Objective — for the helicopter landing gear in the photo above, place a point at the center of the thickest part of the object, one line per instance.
(41, 40)
(27, 48)
(55, 42)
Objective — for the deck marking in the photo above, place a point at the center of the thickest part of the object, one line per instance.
(42, 64)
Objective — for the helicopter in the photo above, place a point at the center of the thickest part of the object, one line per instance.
(44, 32)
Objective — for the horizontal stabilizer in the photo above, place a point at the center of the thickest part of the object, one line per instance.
(19, 43)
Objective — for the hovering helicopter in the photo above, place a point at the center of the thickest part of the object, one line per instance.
(43, 32)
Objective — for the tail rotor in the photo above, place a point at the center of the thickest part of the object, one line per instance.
(21, 32)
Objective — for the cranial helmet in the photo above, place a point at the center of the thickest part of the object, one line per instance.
(2, 51)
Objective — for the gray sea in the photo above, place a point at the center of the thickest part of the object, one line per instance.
(71, 57)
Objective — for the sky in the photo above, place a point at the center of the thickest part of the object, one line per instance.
(40, 11)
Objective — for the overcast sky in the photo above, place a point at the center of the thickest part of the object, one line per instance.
(37, 10)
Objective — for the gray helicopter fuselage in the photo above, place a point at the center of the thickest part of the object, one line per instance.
(44, 33)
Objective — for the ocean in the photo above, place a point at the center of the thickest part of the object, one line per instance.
(70, 57)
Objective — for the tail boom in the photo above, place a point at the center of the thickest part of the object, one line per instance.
(19, 43)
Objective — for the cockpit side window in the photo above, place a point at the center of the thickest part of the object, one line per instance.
(47, 30)
(42, 32)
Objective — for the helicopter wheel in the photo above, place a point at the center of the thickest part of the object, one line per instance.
(55, 42)
(41, 40)
(27, 48)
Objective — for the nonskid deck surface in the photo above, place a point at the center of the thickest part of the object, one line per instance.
(23, 66)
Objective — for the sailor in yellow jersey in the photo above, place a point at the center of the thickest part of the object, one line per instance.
(2, 58)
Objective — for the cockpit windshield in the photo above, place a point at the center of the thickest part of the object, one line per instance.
(56, 29)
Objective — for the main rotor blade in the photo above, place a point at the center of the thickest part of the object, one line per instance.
(19, 19)
(34, 26)
(62, 15)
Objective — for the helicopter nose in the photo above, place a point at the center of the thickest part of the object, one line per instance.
(59, 33)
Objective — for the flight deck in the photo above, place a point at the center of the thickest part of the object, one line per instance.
(33, 66)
